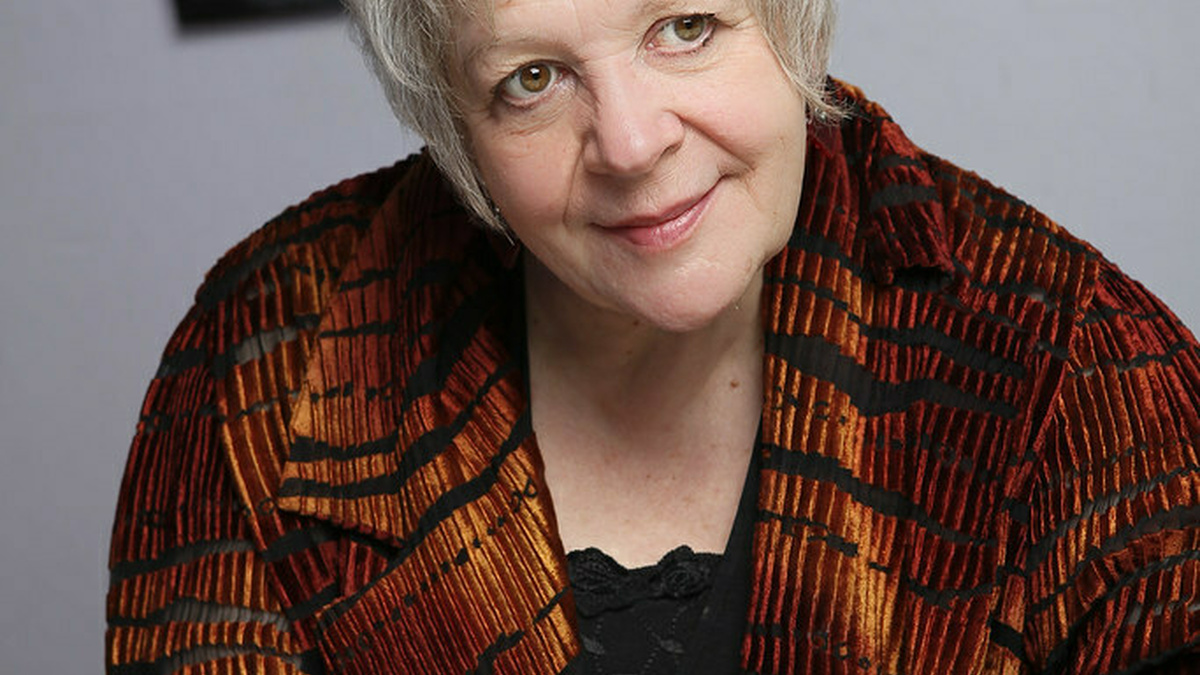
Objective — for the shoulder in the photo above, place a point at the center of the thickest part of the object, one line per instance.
(1108, 460)
(1013, 267)
(327, 221)
(260, 305)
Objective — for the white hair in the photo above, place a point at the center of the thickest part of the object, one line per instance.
(410, 47)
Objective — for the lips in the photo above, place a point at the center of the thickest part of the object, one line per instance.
(665, 228)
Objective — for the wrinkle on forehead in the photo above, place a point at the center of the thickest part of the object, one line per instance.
(481, 36)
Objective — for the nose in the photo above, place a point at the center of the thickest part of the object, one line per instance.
(632, 126)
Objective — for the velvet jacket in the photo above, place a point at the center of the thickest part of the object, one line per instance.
(979, 446)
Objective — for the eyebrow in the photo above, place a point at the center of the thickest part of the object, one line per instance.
(652, 8)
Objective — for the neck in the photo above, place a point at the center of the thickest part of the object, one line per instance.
(640, 383)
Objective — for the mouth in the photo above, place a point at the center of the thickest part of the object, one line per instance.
(666, 228)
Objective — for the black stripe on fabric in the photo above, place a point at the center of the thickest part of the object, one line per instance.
(265, 404)
(261, 343)
(944, 597)
(990, 194)
(174, 364)
(919, 279)
(816, 357)
(1176, 518)
(384, 390)
(422, 451)
(431, 444)
(360, 330)
(1009, 224)
(952, 457)
(219, 288)
(1056, 662)
(446, 504)
(311, 662)
(885, 502)
(816, 643)
(202, 654)
(192, 611)
(1059, 352)
(1025, 289)
(789, 523)
(1004, 635)
(1076, 471)
(432, 272)
(306, 449)
(296, 541)
(180, 555)
(822, 292)
(1165, 662)
(955, 176)
(484, 664)
(345, 389)
(1008, 322)
(159, 420)
(368, 487)
(1136, 362)
(901, 194)
(804, 241)
(309, 606)
(893, 161)
(1099, 313)
(1017, 509)
(368, 278)
(917, 336)
(941, 597)
(459, 331)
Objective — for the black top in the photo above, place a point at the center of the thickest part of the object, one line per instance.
(686, 614)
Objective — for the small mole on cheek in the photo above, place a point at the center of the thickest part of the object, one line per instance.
(734, 384)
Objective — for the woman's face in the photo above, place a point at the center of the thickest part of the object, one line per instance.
(648, 154)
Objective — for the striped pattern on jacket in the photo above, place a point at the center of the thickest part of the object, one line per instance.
(980, 446)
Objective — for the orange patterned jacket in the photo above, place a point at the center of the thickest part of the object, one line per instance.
(980, 446)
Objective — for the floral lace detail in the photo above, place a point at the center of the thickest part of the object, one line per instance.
(638, 620)
(602, 584)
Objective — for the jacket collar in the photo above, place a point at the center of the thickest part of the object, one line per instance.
(900, 219)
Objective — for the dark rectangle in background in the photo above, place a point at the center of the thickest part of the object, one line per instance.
(194, 13)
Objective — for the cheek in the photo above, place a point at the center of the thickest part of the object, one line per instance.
(526, 179)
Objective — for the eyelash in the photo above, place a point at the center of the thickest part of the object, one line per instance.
(499, 91)
(710, 24)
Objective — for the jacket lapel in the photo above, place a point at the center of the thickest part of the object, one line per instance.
(411, 430)
(902, 396)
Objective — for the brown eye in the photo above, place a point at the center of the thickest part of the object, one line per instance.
(684, 34)
(531, 80)
(689, 28)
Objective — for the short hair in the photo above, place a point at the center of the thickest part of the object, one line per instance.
(410, 47)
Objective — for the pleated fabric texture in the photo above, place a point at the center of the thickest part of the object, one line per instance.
(979, 446)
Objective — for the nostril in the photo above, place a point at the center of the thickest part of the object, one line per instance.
(632, 139)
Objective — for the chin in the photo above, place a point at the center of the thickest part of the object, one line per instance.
(697, 305)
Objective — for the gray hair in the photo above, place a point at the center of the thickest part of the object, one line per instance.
(410, 47)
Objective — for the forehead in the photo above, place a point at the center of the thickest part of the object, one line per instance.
(485, 26)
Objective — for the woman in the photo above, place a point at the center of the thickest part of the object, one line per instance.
(669, 355)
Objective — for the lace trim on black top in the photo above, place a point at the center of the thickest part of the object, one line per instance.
(603, 584)
(639, 620)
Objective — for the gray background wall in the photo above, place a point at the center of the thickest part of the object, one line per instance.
(131, 157)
